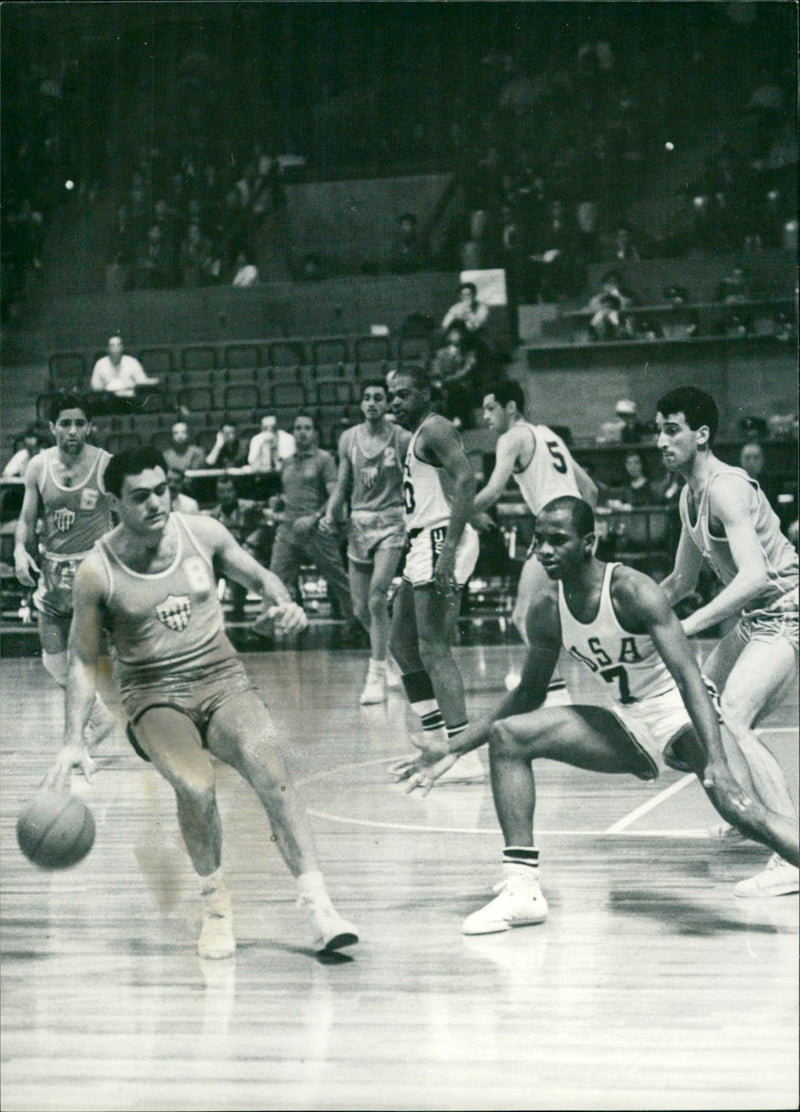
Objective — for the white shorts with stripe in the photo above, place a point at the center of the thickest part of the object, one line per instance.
(424, 549)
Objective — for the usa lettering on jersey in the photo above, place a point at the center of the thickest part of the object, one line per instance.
(628, 654)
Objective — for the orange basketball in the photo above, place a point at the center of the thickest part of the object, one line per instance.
(55, 830)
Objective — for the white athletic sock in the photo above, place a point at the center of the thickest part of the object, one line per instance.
(214, 882)
(521, 862)
(311, 886)
(377, 668)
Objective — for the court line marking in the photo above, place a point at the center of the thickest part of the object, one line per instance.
(651, 804)
(326, 774)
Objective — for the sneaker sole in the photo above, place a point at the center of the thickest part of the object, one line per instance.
(768, 893)
(499, 927)
(338, 942)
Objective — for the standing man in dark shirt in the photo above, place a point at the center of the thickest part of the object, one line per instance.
(240, 518)
(308, 479)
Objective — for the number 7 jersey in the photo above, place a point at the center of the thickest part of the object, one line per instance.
(626, 665)
(551, 471)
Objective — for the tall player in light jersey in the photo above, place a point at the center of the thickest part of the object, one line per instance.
(63, 486)
(151, 583)
(370, 475)
(542, 467)
(438, 489)
(618, 624)
(728, 523)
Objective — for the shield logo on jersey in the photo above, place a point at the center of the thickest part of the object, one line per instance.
(89, 498)
(64, 519)
(368, 476)
(175, 612)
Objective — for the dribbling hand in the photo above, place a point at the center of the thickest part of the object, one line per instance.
(71, 757)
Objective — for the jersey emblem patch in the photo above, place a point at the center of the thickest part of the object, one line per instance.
(175, 612)
(64, 519)
(369, 475)
(89, 497)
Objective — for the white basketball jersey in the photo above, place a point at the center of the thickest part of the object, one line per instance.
(424, 499)
(629, 663)
(551, 471)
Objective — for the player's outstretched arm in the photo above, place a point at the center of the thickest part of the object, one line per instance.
(24, 564)
(344, 480)
(506, 454)
(83, 651)
(682, 580)
(245, 569)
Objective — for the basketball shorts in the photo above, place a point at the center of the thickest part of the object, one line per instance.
(423, 552)
(776, 622)
(654, 724)
(371, 531)
(53, 595)
(197, 694)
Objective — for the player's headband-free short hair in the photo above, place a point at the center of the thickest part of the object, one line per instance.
(508, 390)
(698, 407)
(373, 384)
(132, 461)
(67, 401)
(581, 513)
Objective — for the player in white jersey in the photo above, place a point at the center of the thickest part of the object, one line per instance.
(728, 523)
(438, 489)
(370, 476)
(151, 582)
(619, 625)
(64, 487)
(541, 466)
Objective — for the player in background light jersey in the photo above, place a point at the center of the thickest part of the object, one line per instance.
(64, 487)
(438, 489)
(541, 466)
(728, 523)
(370, 476)
(619, 625)
(151, 583)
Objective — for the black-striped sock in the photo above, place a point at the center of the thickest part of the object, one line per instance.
(454, 731)
(525, 857)
(419, 690)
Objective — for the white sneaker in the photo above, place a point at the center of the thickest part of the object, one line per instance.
(519, 904)
(329, 930)
(780, 878)
(374, 691)
(467, 770)
(727, 833)
(394, 679)
(216, 939)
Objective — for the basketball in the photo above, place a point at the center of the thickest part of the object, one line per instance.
(56, 829)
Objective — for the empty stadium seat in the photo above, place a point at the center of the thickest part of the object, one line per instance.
(242, 355)
(201, 357)
(241, 396)
(67, 370)
(287, 353)
(157, 361)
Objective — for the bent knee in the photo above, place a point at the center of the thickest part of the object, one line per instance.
(503, 742)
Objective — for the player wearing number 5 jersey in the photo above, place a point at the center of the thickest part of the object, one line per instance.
(619, 625)
(541, 466)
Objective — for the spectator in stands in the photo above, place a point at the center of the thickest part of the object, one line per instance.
(622, 247)
(240, 516)
(307, 481)
(270, 448)
(636, 489)
(18, 464)
(246, 273)
(198, 264)
(182, 454)
(407, 255)
(736, 287)
(751, 460)
(782, 496)
(633, 430)
(553, 267)
(472, 313)
(608, 320)
(181, 502)
(119, 374)
(227, 450)
(153, 267)
(458, 372)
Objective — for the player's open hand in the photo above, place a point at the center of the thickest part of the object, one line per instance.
(25, 568)
(70, 757)
(289, 618)
(419, 773)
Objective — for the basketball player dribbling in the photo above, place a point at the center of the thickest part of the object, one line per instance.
(151, 583)
(618, 624)
(371, 474)
(728, 523)
(64, 486)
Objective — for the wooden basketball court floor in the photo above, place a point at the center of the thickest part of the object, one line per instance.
(651, 986)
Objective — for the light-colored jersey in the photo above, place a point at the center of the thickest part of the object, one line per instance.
(425, 502)
(377, 478)
(551, 471)
(73, 517)
(167, 625)
(627, 666)
(779, 554)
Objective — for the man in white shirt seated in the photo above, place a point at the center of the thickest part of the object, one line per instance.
(472, 313)
(118, 373)
(271, 447)
(18, 464)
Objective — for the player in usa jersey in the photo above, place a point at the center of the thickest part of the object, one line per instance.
(619, 625)
(151, 583)
(64, 488)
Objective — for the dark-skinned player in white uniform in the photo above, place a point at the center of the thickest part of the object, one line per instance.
(619, 625)
(151, 584)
